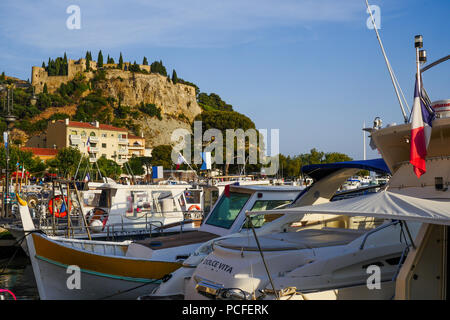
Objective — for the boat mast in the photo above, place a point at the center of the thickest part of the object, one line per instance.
(364, 141)
(391, 73)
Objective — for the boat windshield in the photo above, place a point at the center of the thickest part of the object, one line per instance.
(262, 205)
(227, 210)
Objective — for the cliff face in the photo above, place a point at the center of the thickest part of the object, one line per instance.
(173, 100)
(133, 88)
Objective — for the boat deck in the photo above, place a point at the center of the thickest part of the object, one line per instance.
(175, 240)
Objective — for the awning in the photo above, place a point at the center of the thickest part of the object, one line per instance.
(384, 204)
(319, 171)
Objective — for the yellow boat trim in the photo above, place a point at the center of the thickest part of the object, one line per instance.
(116, 266)
(21, 201)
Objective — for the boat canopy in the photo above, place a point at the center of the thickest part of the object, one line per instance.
(320, 171)
(384, 204)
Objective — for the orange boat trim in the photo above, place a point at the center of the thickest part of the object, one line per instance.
(116, 266)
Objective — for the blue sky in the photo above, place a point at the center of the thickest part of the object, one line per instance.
(310, 68)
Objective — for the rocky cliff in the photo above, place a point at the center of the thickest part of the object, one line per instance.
(177, 102)
(133, 88)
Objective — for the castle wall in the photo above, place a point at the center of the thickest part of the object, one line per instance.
(40, 77)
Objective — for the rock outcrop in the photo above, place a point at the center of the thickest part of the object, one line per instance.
(133, 88)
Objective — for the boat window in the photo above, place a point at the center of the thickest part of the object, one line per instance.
(192, 196)
(227, 210)
(261, 205)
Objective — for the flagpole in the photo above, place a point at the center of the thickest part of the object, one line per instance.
(184, 160)
(418, 44)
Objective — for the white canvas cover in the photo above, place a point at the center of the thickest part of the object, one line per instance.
(384, 204)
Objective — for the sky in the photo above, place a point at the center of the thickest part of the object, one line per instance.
(310, 68)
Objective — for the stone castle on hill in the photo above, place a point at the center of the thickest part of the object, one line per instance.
(40, 77)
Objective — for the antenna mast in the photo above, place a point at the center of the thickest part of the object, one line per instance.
(391, 73)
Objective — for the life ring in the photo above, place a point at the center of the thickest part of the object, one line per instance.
(61, 210)
(194, 207)
(97, 214)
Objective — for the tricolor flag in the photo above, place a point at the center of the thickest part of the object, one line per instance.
(87, 177)
(88, 144)
(180, 160)
(421, 122)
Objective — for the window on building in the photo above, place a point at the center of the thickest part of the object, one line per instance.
(104, 135)
(74, 132)
(103, 145)
(83, 133)
(104, 155)
(92, 134)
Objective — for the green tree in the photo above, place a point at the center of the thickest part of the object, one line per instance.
(223, 120)
(174, 77)
(158, 67)
(336, 157)
(109, 168)
(120, 65)
(145, 61)
(136, 166)
(45, 89)
(88, 60)
(110, 60)
(161, 156)
(100, 59)
(66, 161)
(213, 101)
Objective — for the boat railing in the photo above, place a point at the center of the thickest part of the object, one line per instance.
(371, 232)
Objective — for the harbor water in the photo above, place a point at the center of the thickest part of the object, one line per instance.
(16, 275)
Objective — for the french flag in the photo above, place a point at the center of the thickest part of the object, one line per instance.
(88, 144)
(180, 160)
(421, 122)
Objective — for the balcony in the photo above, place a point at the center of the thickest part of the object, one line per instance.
(94, 149)
(122, 151)
(75, 139)
(93, 139)
(123, 141)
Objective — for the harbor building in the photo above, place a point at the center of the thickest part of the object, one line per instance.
(91, 138)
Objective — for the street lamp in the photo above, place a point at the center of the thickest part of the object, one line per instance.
(9, 119)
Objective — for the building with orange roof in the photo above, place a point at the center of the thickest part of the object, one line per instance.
(136, 145)
(91, 138)
(41, 153)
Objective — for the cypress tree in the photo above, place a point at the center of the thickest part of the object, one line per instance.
(43, 65)
(145, 62)
(45, 90)
(58, 67)
(174, 77)
(120, 61)
(65, 65)
(88, 58)
(100, 59)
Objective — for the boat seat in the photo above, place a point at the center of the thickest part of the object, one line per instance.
(136, 250)
(304, 239)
